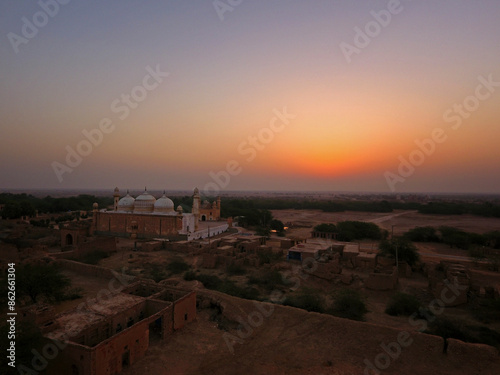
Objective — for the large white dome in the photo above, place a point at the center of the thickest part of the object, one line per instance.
(164, 204)
(126, 203)
(144, 202)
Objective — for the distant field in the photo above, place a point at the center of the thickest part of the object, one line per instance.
(401, 220)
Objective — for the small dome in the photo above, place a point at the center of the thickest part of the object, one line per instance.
(179, 208)
(126, 203)
(196, 191)
(117, 190)
(163, 204)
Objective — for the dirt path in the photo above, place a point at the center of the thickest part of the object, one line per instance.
(379, 220)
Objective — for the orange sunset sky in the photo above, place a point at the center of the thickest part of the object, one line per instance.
(354, 116)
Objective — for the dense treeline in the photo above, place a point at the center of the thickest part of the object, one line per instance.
(454, 237)
(487, 209)
(236, 206)
(17, 205)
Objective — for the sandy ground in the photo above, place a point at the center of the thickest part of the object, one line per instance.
(292, 341)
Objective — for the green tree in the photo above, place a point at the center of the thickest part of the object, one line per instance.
(349, 304)
(353, 230)
(12, 210)
(308, 299)
(422, 234)
(277, 225)
(406, 250)
(330, 228)
(262, 231)
(455, 237)
(41, 280)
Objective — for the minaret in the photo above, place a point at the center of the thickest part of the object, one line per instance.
(196, 208)
(116, 198)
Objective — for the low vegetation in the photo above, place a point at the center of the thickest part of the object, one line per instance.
(42, 281)
(241, 206)
(402, 304)
(267, 279)
(454, 237)
(422, 234)
(223, 285)
(349, 304)
(307, 299)
(400, 247)
(461, 330)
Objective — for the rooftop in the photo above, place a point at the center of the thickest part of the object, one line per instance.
(78, 319)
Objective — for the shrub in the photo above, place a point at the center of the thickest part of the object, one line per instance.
(209, 281)
(448, 328)
(232, 289)
(270, 279)
(402, 304)
(277, 225)
(308, 300)
(463, 240)
(406, 251)
(177, 266)
(422, 234)
(223, 286)
(41, 280)
(349, 304)
(353, 230)
(157, 272)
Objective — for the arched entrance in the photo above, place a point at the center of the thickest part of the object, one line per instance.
(69, 240)
(203, 218)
